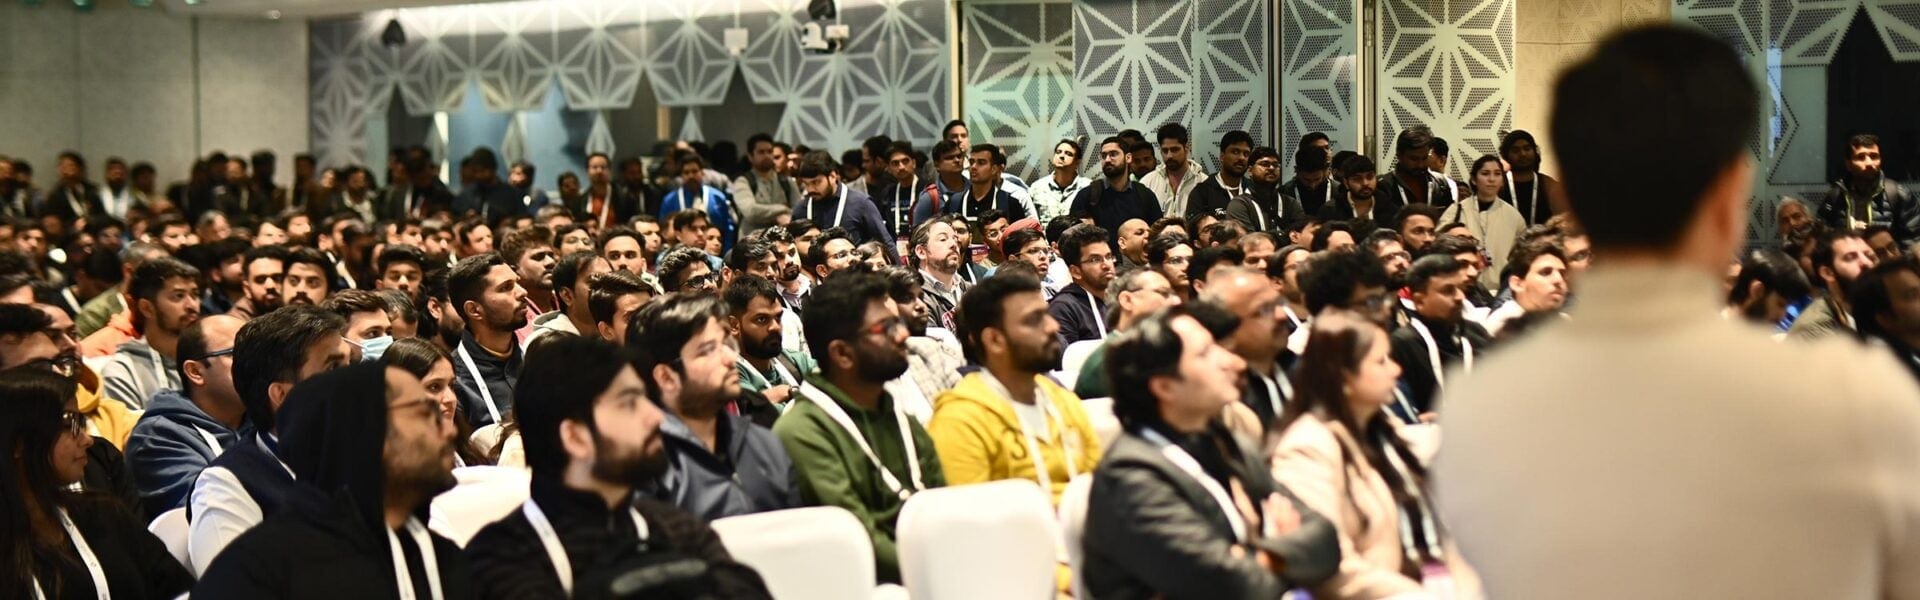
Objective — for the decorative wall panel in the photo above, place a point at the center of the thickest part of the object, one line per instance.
(1446, 64)
(1019, 80)
(1318, 58)
(1133, 66)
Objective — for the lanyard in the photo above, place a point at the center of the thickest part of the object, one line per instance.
(1295, 317)
(840, 417)
(1533, 197)
(1044, 401)
(1259, 216)
(404, 577)
(1099, 323)
(908, 188)
(556, 553)
(479, 382)
(1433, 350)
(1273, 392)
(80, 546)
(210, 439)
(839, 211)
(1430, 533)
(1187, 463)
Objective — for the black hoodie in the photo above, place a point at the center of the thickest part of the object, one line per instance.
(332, 429)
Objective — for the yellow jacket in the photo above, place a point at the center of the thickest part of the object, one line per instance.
(110, 419)
(980, 439)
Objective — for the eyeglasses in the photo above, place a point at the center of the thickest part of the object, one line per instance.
(698, 282)
(74, 423)
(1110, 259)
(227, 352)
(885, 326)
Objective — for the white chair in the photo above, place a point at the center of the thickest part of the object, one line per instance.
(1106, 426)
(1073, 521)
(484, 494)
(171, 527)
(986, 540)
(1075, 356)
(817, 553)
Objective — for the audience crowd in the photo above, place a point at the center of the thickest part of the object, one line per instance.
(1251, 369)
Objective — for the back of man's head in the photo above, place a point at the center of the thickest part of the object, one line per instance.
(1330, 278)
(271, 349)
(561, 381)
(1660, 86)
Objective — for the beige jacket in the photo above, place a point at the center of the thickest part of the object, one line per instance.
(1307, 460)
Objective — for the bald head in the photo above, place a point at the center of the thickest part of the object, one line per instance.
(1133, 240)
(209, 379)
(1246, 293)
(219, 330)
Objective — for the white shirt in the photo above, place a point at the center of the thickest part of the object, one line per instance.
(1650, 449)
(220, 509)
(1173, 202)
(1052, 200)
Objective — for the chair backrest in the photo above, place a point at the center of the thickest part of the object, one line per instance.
(171, 527)
(817, 553)
(1073, 521)
(986, 540)
(1100, 415)
(484, 494)
(1075, 356)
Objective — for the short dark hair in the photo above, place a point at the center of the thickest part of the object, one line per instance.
(996, 157)
(800, 227)
(815, 164)
(1520, 260)
(618, 231)
(1659, 86)
(742, 291)
(1822, 254)
(467, 280)
(661, 330)
(1172, 131)
(1330, 277)
(23, 319)
(1356, 165)
(984, 306)
(273, 252)
(817, 253)
(306, 255)
(1149, 349)
(1077, 238)
(1311, 137)
(1776, 272)
(757, 139)
(835, 309)
(1430, 266)
(399, 253)
(1159, 246)
(1514, 137)
(1862, 140)
(747, 251)
(348, 302)
(1058, 226)
(567, 271)
(876, 146)
(1870, 297)
(150, 277)
(560, 381)
(1413, 138)
(1019, 238)
(1207, 258)
(685, 218)
(1451, 245)
(675, 264)
(901, 147)
(271, 348)
(1323, 237)
(605, 289)
(524, 240)
(1236, 137)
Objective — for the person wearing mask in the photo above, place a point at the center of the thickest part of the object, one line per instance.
(1260, 339)
(720, 464)
(830, 203)
(570, 313)
(1839, 259)
(374, 442)
(1655, 360)
(369, 328)
(1539, 289)
(757, 321)
(1115, 198)
(592, 438)
(1079, 308)
(1438, 340)
(487, 293)
(1886, 304)
(182, 431)
(1053, 195)
(166, 299)
(852, 444)
(1179, 507)
(1867, 197)
(1344, 456)
(1535, 195)
(1768, 283)
(59, 543)
(1010, 403)
(249, 481)
(1263, 205)
(1493, 221)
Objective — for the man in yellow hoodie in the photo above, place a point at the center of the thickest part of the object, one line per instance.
(996, 422)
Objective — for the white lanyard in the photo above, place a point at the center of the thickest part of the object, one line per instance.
(403, 577)
(839, 211)
(1399, 397)
(1432, 534)
(479, 382)
(1099, 323)
(1259, 216)
(80, 546)
(1295, 317)
(1187, 463)
(556, 553)
(1044, 402)
(840, 417)
(1433, 350)
(211, 440)
(1533, 197)
(896, 202)
(1273, 392)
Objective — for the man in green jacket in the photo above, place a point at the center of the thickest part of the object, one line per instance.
(851, 445)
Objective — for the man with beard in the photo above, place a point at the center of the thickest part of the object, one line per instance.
(719, 462)
(530, 252)
(570, 313)
(831, 204)
(613, 297)
(1411, 181)
(762, 193)
(1011, 403)
(1438, 337)
(486, 292)
(1533, 192)
(936, 252)
(1386, 246)
(181, 432)
(1216, 193)
(791, 287)
(443, 324)
(1113, 200)
(933, 364)
(624, 249)
(1260, 339)
(606, 204)
(1795, 228)
(1866, 197)
(1262, 204)
(1768, 283)
(1361, 203)
(307, 280)
(374, 440)
(166, 298)
(852, 444)
(592, 437)
(1838, 259)
(758, 321)
(1080, 308)
(1313, 183)
(1177, 176)
(262, 272)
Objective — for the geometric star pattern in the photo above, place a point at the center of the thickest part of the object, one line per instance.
(1019, 80)
(1133, 66)
(1231, 60)
(1446, 64)
(1318, 55)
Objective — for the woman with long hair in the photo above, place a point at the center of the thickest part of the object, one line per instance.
(1495, 222)
(1346, 458)
(435, 369)
(55, 542)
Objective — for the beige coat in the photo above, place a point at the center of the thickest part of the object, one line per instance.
(1307, 461)
(1498, 229)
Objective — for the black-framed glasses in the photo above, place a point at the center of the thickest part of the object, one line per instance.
(228, 351)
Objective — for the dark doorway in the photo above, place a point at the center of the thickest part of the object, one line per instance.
(1867, 92)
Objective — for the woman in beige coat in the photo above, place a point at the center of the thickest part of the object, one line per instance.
(1495, 222)
(1346, 458)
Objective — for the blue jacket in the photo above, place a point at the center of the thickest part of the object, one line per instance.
(719, 211)
(169, 448)
(862, 221)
